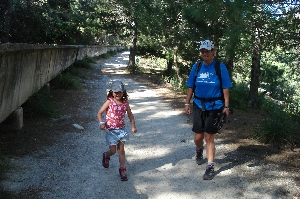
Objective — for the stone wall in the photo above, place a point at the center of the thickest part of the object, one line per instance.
(25, 68)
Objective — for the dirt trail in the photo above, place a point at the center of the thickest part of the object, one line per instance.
(160, 156)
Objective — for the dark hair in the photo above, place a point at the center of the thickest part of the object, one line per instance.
(124, 97)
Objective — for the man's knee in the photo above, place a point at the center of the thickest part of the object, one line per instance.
(198, 137)
(209, 138)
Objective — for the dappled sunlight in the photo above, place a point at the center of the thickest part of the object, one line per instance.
(137, 108)
(126, 53)
(226, 172)
(114, 65)
(154, 111)
(146, 94)
(161, 155)
(150, 153)
(167, 114)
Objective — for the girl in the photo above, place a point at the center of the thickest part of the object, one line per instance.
(116, 106)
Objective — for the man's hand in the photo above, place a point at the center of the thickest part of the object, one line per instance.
(187, 109)
(226, 111)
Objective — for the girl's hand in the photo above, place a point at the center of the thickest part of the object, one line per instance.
(103, 127)
(134, 130)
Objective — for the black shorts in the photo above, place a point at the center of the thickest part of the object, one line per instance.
(204, 120)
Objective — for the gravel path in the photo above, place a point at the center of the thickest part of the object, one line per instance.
(160, 156)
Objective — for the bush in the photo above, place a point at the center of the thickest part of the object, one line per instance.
(238, 95)
(5, 165)
(278, 128)
(41, 103)
(65, 80)
(75, 71)
(135, 69)
(84, 63)
(108, 54)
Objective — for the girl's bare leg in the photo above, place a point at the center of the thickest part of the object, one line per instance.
(112, 150)
(121, 152)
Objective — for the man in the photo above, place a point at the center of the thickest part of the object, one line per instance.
(209, 100)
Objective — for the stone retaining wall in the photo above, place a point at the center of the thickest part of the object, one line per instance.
(25, 68)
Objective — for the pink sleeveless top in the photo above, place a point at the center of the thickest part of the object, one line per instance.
(115, 115)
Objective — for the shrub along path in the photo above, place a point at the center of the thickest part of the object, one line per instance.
(53, 159)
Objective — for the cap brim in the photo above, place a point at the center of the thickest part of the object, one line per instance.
(116, 91)
(207, 48)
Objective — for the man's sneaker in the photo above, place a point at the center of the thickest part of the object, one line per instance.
(199, 155)
(105, 160)
(209, 172)
(123, 175)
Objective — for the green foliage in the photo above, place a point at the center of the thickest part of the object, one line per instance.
(89, 60)
(279, 127)
(68, 79)
(84, 63)
(149, 46)
(5, 166)
(281, 81)
(105, 55)
(137, 69)
(175, 83)
(238, 96)
(112, 52)
(41, 103)
(61, 22)
(75, 71)
(65, 80)
(108, 54)
(272, 80)
(152, 62)
(239, 28)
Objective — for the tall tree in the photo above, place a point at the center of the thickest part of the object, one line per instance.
(131, 12)
(265, 35)
(6, 21)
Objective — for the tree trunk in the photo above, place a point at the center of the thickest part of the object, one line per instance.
(6, 22)
(177, 69)
(169, 67)
(255, 72)
(229, 65)
(131, 63)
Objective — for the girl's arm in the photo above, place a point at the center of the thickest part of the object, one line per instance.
(100, 113)
(131, 118)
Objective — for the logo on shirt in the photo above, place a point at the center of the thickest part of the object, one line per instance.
(205, 78)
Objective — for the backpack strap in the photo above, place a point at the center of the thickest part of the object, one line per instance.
(199, 63)
(218, 72)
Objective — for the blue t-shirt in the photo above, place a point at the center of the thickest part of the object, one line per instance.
(208, 84)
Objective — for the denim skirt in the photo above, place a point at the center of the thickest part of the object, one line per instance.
(114, 136)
